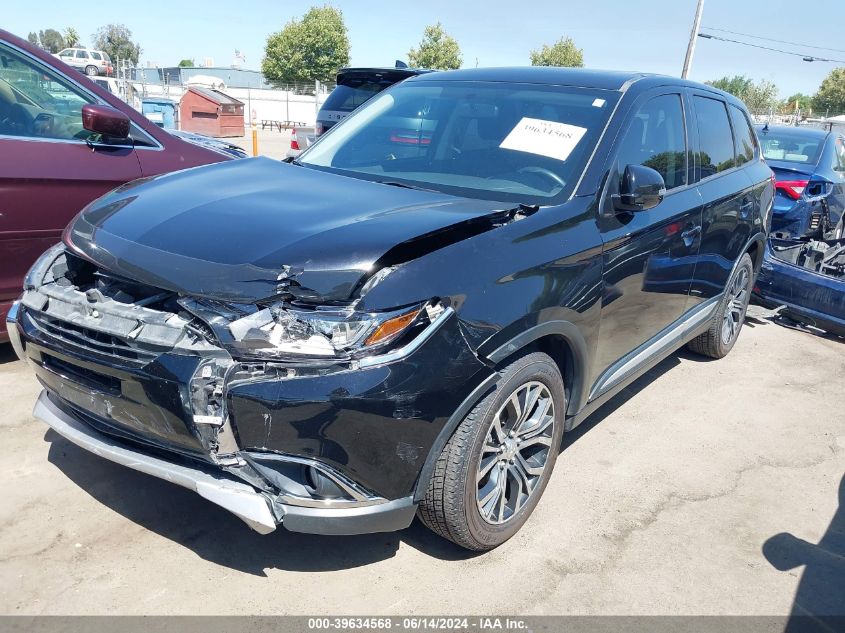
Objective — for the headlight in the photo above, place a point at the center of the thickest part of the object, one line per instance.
(35, 277)
(320, 331)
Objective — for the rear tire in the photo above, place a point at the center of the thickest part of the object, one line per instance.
(91, 71)
(494, 469)
(727, 322)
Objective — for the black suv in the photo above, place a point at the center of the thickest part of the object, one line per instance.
(356, 86)
(406, 320)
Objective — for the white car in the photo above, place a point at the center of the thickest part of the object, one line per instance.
(111, 84)
(89, 61)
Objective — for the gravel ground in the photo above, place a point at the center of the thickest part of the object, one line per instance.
(704, 488)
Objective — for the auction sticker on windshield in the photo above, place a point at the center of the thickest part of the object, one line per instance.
(545, 138)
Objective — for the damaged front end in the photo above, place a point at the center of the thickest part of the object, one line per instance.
(296, 408)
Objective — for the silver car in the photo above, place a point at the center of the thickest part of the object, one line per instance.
(89, 61)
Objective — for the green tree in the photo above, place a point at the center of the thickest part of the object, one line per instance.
(116, 41)
(313, 48)
(187, 63)
(51, 40)
(830, 99)
(736, 85)
(437, 50)
(796, 102)
(561, 53)
(33, 38)
(760, 96)
(72, 38)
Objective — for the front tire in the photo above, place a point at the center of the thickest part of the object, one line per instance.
(494, 469)
(726, 324)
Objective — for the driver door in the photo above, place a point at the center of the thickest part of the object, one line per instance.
(47, 171)
(649, 255)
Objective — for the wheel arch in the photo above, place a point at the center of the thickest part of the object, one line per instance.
(560, 340)
(755, 248)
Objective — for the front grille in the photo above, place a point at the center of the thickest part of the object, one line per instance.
(100, 343)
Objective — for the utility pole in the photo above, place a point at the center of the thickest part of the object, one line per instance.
(692, 37)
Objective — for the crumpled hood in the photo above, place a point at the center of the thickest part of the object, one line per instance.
(245, 230)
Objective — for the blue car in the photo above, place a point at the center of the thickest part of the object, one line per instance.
(809, 168)
(807, 278)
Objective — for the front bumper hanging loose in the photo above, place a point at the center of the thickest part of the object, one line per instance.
(256, 509)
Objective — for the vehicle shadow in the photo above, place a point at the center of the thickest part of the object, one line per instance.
(218, 536)
(819, 603)
(610, 407)
(7, 354)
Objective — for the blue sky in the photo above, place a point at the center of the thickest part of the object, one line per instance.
(647, 35)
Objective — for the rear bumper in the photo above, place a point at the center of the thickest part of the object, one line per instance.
(808, 297)
(258, 510)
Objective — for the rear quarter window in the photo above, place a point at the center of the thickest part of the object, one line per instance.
(716, 144)
(745, 143)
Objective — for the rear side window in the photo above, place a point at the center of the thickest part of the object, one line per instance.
(96, 56)
(744, 143)
(839, 158)
(81, 55)
(716, 144)
(656, 139)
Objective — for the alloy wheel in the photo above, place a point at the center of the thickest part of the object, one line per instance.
(737, 301)
(515, 452)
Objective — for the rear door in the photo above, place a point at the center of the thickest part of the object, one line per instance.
(650, 255)
(48, 171)
(727, 193)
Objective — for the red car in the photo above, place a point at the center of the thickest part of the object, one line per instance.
(64, 142)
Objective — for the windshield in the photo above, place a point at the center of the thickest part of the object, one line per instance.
(525, 143)
(790, 147)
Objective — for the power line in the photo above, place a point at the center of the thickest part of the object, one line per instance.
(806, 58)
(771, 39)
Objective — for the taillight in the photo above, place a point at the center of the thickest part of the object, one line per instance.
(294, 144)
(792, 188)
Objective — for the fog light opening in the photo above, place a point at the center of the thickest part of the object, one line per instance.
(322, 486)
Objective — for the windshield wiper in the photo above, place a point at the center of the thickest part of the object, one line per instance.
(404, 185)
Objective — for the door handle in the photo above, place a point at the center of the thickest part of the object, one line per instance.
(745, 207)
(690, 234)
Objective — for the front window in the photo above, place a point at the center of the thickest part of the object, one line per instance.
(524, 143)
(34, 102)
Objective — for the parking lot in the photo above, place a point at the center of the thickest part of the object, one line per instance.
(664, 502)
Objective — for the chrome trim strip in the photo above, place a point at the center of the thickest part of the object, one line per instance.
(661, 343)
(410, 348)
(12, 314)
(359, 497)
(238, 498)
(12, 329)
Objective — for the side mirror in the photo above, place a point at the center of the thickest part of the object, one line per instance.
(641, 188)
(105, 120)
